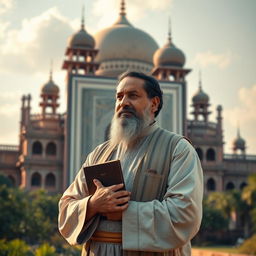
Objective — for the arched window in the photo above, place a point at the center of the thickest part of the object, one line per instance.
(200, 153)
(230, 186)
(50, 180)
(36, 180)
(210, 155)
(37, 148)
(211, 186)
(242, 185)
(51, 149)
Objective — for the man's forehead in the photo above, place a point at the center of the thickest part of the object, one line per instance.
(130, 84)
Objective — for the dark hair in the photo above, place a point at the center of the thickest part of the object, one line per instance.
(151, 86)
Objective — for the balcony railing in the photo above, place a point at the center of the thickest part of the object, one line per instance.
(9, 148)
(239, 157)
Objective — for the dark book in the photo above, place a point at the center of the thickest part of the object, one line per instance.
(108, 173)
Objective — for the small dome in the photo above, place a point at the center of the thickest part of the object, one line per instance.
(122, 41)
(219, 108)
(239, 142)
(200, 96)
(50, 88)
(81, 39)
(169, 55)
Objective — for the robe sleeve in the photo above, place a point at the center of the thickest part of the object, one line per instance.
(159, 226)
(72, 212)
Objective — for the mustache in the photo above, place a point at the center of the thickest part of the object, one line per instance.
(126, 110)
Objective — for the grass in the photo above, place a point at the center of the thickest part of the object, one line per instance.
(219, 249)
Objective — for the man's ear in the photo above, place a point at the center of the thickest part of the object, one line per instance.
(155, 101)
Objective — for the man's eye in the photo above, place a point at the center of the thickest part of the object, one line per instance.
(119, 97)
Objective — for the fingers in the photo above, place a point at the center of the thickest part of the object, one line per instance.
(97, 183)
(116, 187)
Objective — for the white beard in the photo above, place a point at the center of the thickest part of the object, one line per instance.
(127, 130)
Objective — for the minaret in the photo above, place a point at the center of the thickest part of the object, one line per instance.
(200, 103)
(239, 143)
(169, 61)
(80, 52)
(49, 95)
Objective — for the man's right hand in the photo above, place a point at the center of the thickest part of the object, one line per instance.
(110, 199)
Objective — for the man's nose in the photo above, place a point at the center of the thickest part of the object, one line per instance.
(124, 102)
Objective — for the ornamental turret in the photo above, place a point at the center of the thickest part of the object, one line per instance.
(81, 52)
(169, 61)
(49, 95)
(200, 103)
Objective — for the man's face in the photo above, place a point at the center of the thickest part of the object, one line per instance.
(132, 99)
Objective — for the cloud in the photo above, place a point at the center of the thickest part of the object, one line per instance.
(108, 11)
(244, 116)
(5, 6)
(244, 112)
(221, 60)
(39, 39)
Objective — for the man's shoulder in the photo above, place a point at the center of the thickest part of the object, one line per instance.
(172, 139)
(168, 134)
(101, 147)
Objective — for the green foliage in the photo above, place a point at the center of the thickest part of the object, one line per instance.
(213, 220)
(13, 216)
(3, 248)
(249, 246)
(249, 192)
(45, 250)
(15, 247)
(30, 216)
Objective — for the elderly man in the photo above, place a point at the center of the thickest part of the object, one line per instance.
(160, 209)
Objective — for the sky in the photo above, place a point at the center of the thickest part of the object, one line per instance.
(218, 38)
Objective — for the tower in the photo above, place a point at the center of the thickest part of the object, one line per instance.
(80, 52)
(239, 144)
(200, 103)
(169, 61)
(49, 95)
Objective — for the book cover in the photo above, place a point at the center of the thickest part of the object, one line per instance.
(108, 173)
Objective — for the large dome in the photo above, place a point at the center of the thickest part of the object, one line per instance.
(123, 47)
(169, 55)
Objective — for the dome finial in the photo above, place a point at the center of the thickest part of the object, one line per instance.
(238, 130)
(122, 10)
(200, 80)
(51, 64)
(82, 18)
(169, 30)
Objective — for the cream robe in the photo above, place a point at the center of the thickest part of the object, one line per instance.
(163, 214)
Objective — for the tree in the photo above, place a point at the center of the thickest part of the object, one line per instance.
(13, 216)
(249, 196)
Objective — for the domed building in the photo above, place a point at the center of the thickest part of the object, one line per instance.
(53, 145)
(92, 82)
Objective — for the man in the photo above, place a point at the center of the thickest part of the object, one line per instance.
(160, 210)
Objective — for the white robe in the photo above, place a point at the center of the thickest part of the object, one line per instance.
(148, 228)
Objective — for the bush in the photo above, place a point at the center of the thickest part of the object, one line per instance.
(15, 247)
(249, 246)
(45, 250)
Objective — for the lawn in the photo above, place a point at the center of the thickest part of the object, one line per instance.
(219, 249)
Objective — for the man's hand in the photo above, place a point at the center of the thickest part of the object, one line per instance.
(109, 201)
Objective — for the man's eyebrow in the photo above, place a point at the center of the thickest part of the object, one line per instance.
(133, 91)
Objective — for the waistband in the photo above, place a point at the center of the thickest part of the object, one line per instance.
(107, 237)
